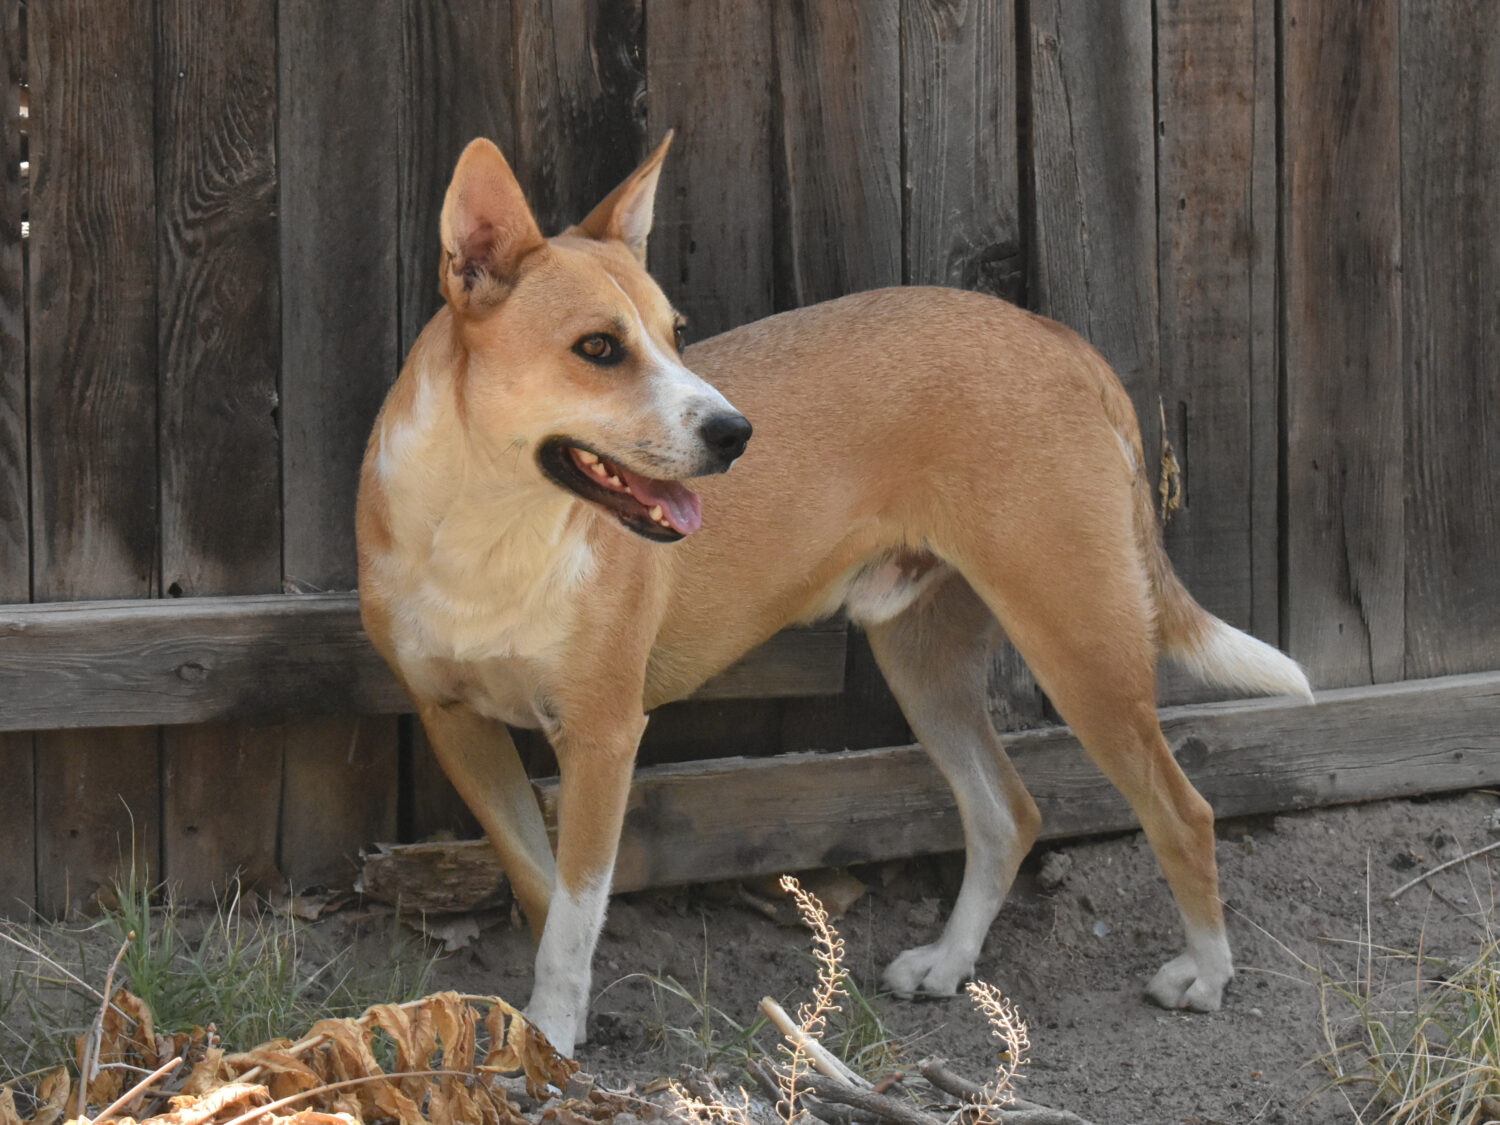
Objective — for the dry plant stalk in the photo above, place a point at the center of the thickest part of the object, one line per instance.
(1014, 1037)
(812, 1017)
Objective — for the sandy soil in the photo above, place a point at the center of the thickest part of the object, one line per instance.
(1074, 956)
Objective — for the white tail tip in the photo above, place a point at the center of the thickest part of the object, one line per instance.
(1224, 655)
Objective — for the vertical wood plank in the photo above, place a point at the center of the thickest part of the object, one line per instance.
(1093, 166)
(339, 102)
(580, 102)
(15, 520)
(711, 240)
(93, 403)
(457, 87)
(219, 328)
(340, 82)
(1215, 239)
(1345, 547)
(17, 827)
(838, 215)
(962, 223)
(338, 794)
(221, 798)
(838, 178)
(17, 804)
(1450, 202)
(93, 292)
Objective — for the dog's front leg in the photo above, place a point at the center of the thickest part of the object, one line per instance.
(596, 749)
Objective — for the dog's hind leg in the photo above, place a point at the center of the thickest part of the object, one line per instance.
(480, 758)
(935, 658)
(1083, 626)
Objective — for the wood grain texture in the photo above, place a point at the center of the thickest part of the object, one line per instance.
(218, 297)
(221, 798)
(338, 794)
(1093, 242)
(186, 660)
(838, 171)
(340, 75)
(457, 86)
(580, 102)
(93, 292)
(17, 804)
(1216, 244)
(92, 325)
(218, 333)
(1345, 547)
(17, 827)
(1450, 203)
(15, 518)
(101, 795)
(958, 119)
(734, 818)
(712, 237)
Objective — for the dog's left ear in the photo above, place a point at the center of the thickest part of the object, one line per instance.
(625, 213)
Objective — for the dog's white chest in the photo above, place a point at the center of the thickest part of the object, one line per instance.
(494, 592)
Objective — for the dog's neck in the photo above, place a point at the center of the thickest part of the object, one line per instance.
(478, 537)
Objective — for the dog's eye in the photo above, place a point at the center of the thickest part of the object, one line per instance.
(600, 348)
(679, 336)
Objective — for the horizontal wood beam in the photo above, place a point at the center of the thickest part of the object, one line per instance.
(739, 817)
(193, 660)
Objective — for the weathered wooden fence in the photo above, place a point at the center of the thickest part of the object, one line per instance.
(1275, 218)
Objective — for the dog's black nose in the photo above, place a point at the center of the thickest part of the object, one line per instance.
(726, 434)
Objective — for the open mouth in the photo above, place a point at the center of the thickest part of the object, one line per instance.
(661, 510)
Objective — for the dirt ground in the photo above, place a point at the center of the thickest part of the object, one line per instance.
(1084, 929)
(1075, 956)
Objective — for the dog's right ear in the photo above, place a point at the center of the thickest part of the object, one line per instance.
(487, 228)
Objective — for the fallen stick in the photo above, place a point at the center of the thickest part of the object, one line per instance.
(88, 1065)
(936, 1071)
(1410, 883)
(139, 1088)
(822, 1060)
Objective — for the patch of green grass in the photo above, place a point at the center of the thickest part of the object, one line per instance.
(255, 974)
(857, 1033)
(690, 1028)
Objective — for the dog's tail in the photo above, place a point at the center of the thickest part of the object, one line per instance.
(1210, 649)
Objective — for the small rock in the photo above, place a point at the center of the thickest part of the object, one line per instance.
(1492, 823)
(1247, 845)
(1056, 867)
(1257, 1013)
(1101, 928)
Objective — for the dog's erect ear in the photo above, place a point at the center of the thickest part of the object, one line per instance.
(487, 228)
(625, 213)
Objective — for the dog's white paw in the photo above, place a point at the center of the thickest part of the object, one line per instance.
(928, 970)
(1183, 983)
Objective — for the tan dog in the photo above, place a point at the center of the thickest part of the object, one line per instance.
(937, 463)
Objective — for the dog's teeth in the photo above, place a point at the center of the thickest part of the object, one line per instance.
(617, 482)
(588, 458)
(656, 513)
(598, 469)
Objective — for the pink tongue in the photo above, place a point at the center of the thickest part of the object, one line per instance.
(679, 504)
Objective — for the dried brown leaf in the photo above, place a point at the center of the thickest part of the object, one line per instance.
(53, 1095)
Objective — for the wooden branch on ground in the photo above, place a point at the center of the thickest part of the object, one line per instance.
(1455, 861)
(193, 660)
(736, 817)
